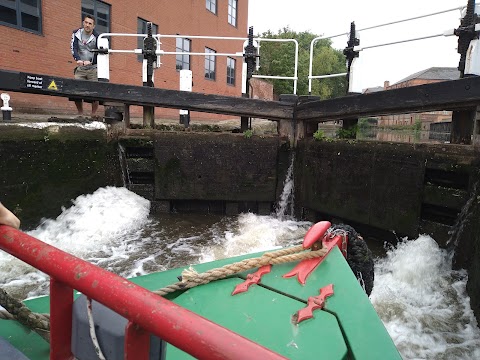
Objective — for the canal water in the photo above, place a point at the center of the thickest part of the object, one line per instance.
(421, 300)
(404, 136)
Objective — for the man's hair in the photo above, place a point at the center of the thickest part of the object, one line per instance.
(90, 17)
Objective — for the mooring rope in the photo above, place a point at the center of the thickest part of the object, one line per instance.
(40, 323)
(190, 278)
(93, 333)
(5, 315)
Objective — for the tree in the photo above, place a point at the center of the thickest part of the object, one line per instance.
(279, 59)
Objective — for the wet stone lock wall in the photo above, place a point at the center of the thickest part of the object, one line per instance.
(399, 189)
(406, 188)
(204, 172)
(44, 169)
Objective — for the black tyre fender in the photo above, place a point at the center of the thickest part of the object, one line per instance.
(359, 257)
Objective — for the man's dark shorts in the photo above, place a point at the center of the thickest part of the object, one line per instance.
(87, 72)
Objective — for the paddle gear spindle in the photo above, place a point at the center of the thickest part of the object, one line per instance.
(149, 59)
(250, 56)
(149, 48)
(466, 33)
(349, 51)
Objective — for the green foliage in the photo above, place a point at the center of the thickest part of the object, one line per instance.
(417, 126)
(279, 59)
(364, 123)
(350, 133)
(319, 135)
(248, 133)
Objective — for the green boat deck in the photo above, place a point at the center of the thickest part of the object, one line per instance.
(347, 328)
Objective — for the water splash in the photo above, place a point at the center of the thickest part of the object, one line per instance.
(462, 219)
(122, 157)
(285, 207)
(100, 227)
(252, 233)
(423, 302)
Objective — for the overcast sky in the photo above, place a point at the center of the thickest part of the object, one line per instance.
(377, 65)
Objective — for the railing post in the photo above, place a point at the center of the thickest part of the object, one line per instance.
(137, 342)
(186, 83)
(6, 109)
(61, 305)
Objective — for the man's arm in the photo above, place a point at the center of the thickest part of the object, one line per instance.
(74, 49)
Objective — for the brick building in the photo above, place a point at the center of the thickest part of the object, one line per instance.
(35, 37)
(428, 76)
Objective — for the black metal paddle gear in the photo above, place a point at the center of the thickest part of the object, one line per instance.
(149, 47)
(466, 33)
(349, 51)
(250, 55)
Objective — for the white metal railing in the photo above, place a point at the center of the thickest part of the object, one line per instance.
(103, 42)
(312, 43)
(159, 52)
(295, 77)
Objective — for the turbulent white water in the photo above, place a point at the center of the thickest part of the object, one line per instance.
(423, 303)
(420, 299)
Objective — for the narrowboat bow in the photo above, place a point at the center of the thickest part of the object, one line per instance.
(303, 302)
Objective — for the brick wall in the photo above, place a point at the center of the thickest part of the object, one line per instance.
(410, 119)
(261, 89)
(49, 53)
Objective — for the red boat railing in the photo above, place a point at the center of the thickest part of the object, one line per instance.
(146, 312)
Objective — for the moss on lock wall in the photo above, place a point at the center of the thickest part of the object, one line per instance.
(390, 186)
(370, 183)
(43, 169)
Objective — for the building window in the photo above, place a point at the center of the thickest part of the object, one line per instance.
(142, 29)
(209, 64)
(100, 11)
(183, 60)
(230, 71)
(232, 12)
(212, 6)
(22, 14)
